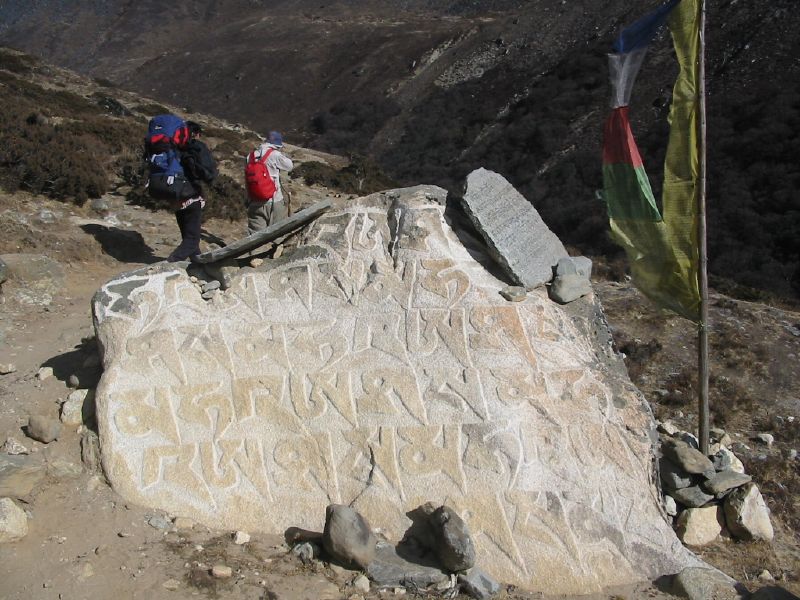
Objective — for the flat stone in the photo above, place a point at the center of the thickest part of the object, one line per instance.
(478, 584)
(171, 584)
(683, 455)
(389, 569)
(7, 368)
(452, 543)
(347, 536)
(747, 515)
(724, 481)
(376, 363)
(241, 537)
(159, 522)
(13, 521)
(43, 429)
(515, 234)
(223, 272)
(693, 496)
(90, 451)
(44, 373)
(78, 408)
(699, 526)
(698, 583)
(210, 286)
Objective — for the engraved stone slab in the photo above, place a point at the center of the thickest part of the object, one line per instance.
(517, 237)
(378, 367)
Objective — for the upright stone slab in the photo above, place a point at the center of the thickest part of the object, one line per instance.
(379, 367)
(517, 237)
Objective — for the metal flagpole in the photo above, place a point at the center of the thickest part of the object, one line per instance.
(702, 273)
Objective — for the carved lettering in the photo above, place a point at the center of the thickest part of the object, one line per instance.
(460, 388)
(267, 343)
(385, 389)
(173, 465)
(499, 328)
(206, 407)
(154, 351)
(373, 453)
(433, 450)
(262, 397)
(307, 462)
(136, 416)
(444, 280)
(311, 393)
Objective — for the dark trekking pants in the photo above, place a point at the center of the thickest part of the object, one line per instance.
(189, 223)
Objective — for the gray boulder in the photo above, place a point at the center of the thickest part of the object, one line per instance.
(347, 536)
(672, 476)
(452, 543)
(517, 237)
(575, 265)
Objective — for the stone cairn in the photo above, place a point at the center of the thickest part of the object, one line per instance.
(709, 496)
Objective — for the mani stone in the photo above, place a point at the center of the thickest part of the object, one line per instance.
(747, 514)
(376, 366)
(723, 481)
(517, 237)
(347, 536)
(451, 540)
(699, 526)
(13, 521)
(682, 454)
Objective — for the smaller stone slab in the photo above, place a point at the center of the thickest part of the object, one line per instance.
(517, 237)
(390, 569)
(724, 481)
(259, 238)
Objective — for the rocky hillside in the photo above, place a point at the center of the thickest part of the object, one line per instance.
(433, 90)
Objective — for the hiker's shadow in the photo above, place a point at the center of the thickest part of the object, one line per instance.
(123, 245)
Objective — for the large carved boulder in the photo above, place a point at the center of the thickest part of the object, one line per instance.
(378, 366)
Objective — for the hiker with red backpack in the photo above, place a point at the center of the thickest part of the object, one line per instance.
(179, 163)
(266, 204)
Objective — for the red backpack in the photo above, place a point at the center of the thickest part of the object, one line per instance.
(260, 186)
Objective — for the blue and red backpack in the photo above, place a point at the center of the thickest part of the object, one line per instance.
(166, 136)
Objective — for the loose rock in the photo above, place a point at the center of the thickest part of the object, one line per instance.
(90, 451)
(747, 514)
(347, 536)
(221, 571)
(44, 373)
(13, 522)
(13, 447)
(724, 459)
(766, 438)
(670, 506)
(478, 584)
(699, 526)
(43, 429)
(171, 584)
(7, 368)
(306, 552)
(514, 293)
(183, 523)
(240, 538)
(361, 584)
(672, 476)
(451, 540)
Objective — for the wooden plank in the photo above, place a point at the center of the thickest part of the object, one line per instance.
(259, 238)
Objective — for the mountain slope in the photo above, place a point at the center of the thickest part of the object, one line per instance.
(434, 91)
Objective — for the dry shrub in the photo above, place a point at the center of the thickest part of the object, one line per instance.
(361, 176)
(637, 353)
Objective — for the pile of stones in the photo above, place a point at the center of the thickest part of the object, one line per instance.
(436, 554)
(709, 496)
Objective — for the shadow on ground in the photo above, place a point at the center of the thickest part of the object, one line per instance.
(122, 244)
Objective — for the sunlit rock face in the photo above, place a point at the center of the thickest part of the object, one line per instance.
(378, 366)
